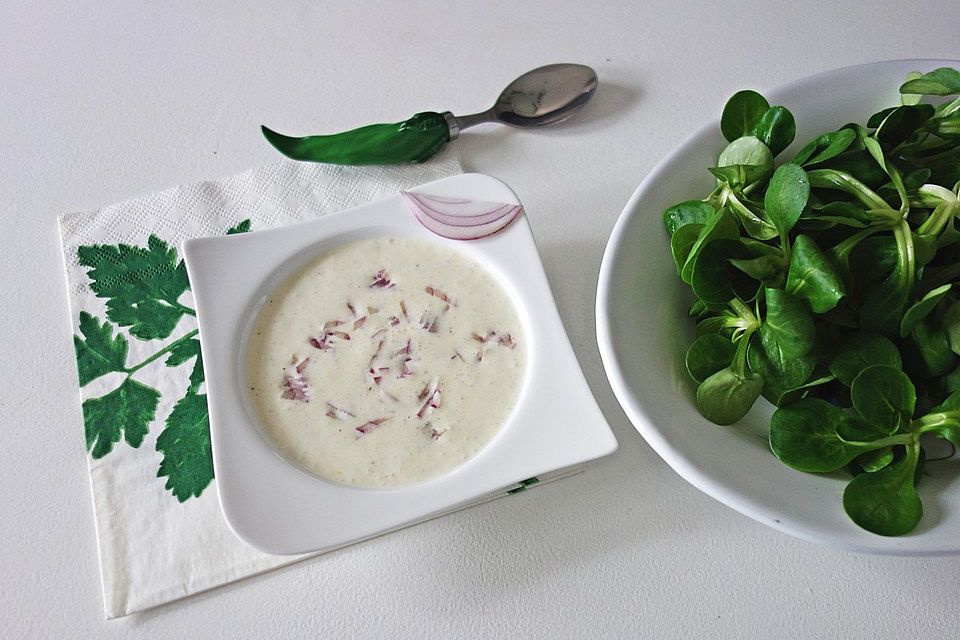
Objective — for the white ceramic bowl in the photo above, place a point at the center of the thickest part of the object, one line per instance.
(643, 332)
(279, 508)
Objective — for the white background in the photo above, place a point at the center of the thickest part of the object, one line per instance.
(104, 101)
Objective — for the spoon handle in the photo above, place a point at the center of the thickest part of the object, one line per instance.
(412, 140)
(459, 123)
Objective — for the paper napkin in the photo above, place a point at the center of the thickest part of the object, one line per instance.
(160, 532)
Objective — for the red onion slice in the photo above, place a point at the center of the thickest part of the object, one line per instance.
(445, 199)
(459, 213)
(460, 219)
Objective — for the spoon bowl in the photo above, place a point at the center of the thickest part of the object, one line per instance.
(546, 95)
(542, 96)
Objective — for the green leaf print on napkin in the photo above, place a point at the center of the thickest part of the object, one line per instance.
(182, 352)
(142, 286)
(98, 352)
(243, 227)
(128, 410)
(185, 445)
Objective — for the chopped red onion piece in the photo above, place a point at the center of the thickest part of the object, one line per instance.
(493, 338)
(376, 353)
(381, 280)
(423, 392)
(367, 427)
(326, 343)
(436, 293)
(303, 365)
(406, 350)
(295, 385)
(428, 323)
(432, 394)
(337, 413)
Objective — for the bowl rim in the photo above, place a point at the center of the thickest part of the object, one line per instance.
(634, 409)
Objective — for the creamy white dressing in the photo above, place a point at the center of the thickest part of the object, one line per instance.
(385, 362)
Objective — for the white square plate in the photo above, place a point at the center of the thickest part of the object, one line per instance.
(279, 508)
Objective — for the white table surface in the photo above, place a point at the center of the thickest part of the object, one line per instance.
(102, 102)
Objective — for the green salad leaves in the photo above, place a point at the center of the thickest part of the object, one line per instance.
(826, 285)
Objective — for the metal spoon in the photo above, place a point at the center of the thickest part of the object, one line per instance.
(545, 95)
